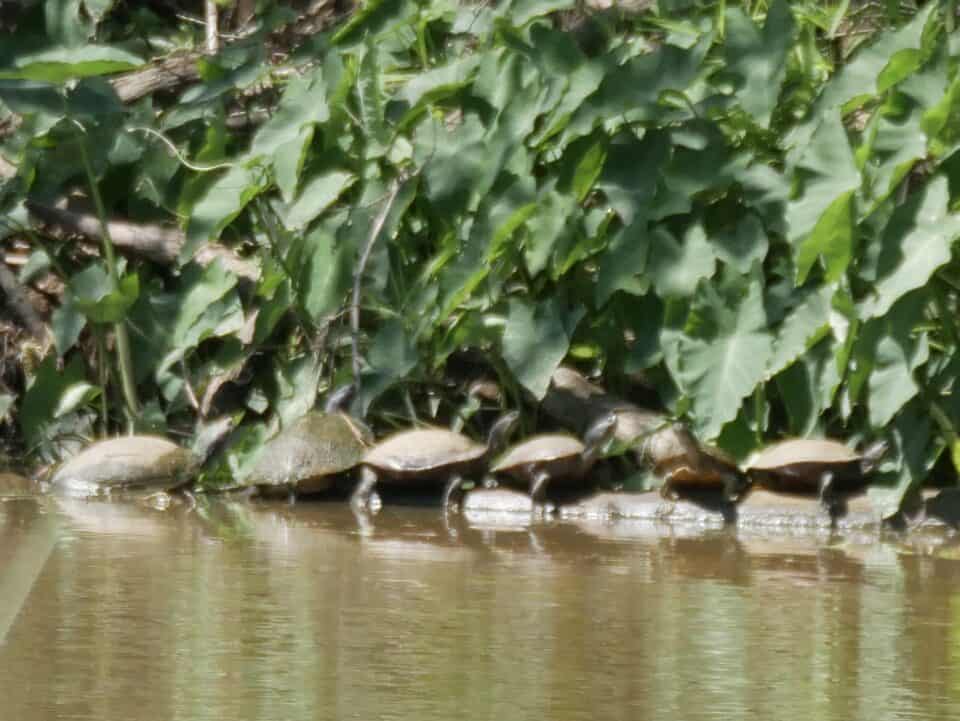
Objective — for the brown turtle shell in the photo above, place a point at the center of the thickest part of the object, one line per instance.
(424, 453)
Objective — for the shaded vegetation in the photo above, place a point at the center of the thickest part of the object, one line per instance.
(748, 209)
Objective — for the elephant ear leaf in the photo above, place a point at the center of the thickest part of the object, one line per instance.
(537, 339)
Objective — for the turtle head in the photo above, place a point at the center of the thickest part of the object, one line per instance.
(598, 435)
(339, 398)
(501, 431)
(872, 456)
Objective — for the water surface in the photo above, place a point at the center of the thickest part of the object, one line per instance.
(252, 611)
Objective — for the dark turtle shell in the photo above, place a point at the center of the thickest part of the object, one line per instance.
(310, 452)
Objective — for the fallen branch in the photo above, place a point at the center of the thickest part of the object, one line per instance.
(166, 74)
(160, 244)
(19, 302)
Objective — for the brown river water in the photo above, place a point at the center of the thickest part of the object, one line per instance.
(255, 611)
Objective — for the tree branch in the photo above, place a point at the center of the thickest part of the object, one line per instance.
(157, 243)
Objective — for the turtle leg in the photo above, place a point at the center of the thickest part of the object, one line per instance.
(538, 488)
(452, 492)
(667, 491)
(827, 498)
(360, 498)
(291, 495)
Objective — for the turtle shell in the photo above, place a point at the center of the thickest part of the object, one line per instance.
(797, 466)
(422, 452)
(127, 463)
(539, 449)
(805, 451)
(310, 452)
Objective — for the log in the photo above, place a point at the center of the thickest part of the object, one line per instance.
(159, 244)
(166, 74)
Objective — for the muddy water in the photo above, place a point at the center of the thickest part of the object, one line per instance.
(270, 612)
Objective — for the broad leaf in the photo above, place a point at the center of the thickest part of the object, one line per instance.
(536, 340)
(724, 351)
(916, 241)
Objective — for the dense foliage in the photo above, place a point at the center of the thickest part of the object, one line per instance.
(748, 207)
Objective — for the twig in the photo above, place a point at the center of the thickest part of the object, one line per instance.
(173, 149)
(213, 36)
(375, 229)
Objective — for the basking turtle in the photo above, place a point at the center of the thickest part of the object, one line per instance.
(537, 460)
(130, 463)
(828, 468)
(684, 463)
(428, 454)
(307, 456)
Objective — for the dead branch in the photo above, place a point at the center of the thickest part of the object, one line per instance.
(19, 301)
(157, 243)
(166, 74)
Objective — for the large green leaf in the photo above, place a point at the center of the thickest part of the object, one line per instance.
(803, 327)
(43, 397)
(758, 57)
(222, 202)
(319, 193)
(819, 222)
(536, 340)
(325, 277)
(391, 357)
(916, 241)
(677, 267)
(93, 294)
(724, 351)
(61, 64)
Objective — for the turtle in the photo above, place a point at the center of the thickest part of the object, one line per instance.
(129, 463)
(428, 454)
(307, 456)
(541, 458)
(682, 462)
(815, 465)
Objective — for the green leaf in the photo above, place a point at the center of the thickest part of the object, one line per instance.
(624, 263)
(92, 294)
(677, 268)
(724, 350)
(438, 83)
(759, 57)
(75, 396)
(804, 327)
(61, 64)
(916, 241)
(202, 288)
(39, 404)
(67, 323)
(392, 356)
(326, 273)
(370, 96)
(549, 222)
(824, 210)
(318, 194)
(917, 448)
(520, 12)
(743, 245)
(588, 169)
(221, 203)
(830, 239)
(536, 340)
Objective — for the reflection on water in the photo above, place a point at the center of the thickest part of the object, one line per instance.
(273, 612)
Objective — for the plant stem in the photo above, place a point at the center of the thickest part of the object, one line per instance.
(120, 330)
(375, 229)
